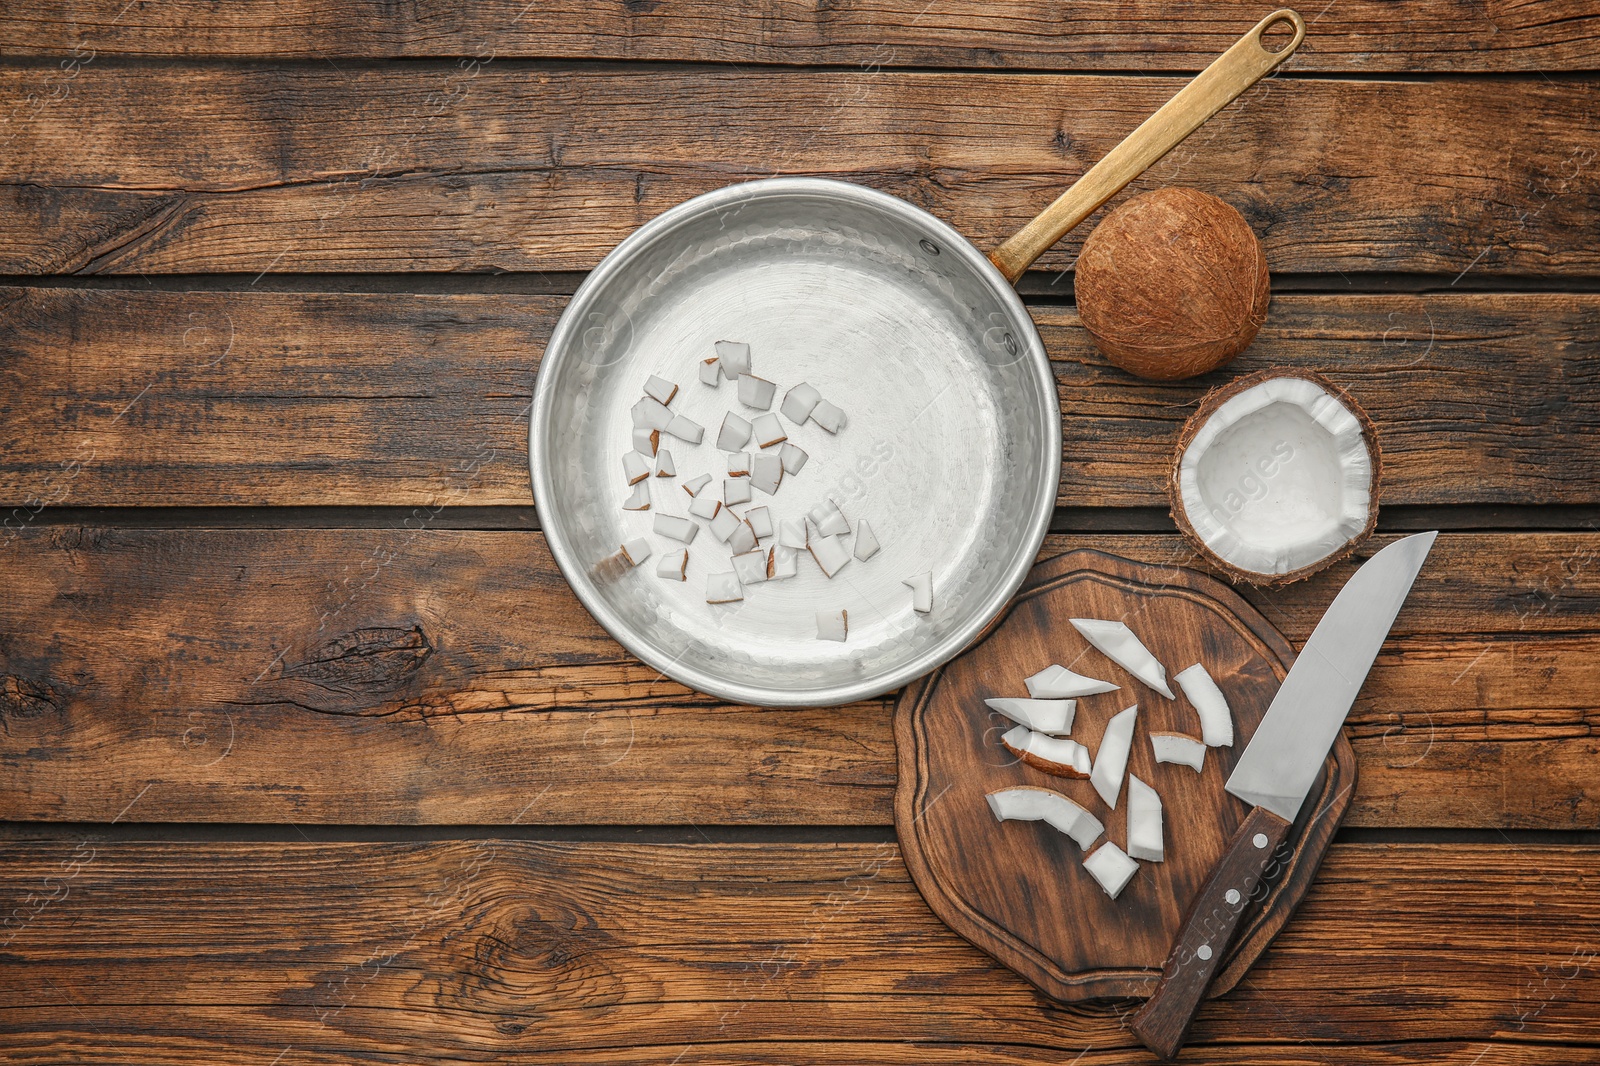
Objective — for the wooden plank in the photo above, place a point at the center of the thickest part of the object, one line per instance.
(423, 676)
(204, 398)
(155, 169)
(590, 952)
(1423, 35)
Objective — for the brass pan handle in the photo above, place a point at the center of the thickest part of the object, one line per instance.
(1229, 75)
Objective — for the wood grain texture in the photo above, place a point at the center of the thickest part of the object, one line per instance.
(422, 676)
(1354, 35)
(159, 169)
(120, 398)
(1020, 891)
(494, 951)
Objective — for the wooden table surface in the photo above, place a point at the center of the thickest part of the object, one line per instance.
(309, 754)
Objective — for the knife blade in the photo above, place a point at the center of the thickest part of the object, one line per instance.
(1274, 774)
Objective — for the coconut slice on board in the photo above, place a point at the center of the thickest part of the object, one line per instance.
(1053, 755)
(1276, 476)
(1028, 803)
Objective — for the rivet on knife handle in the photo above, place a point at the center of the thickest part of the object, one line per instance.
(1208, 928)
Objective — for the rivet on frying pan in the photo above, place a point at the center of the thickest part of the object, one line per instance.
(928, 246)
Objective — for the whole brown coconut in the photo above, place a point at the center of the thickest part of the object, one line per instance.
(1172, 284)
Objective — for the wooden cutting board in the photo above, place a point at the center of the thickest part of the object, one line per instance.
(1018, 889)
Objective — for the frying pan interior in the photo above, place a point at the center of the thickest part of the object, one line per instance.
(951, 453)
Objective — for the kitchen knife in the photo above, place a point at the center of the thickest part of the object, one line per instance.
(1274, 774)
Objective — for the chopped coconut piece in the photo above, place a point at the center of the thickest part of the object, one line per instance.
(766, 472)
(755, 392)
(658, 388)
(710, 372)
(1057, 682)
(866, 543)
(829, 520)
(782, 562)
(833, 625)
(921, 588)
(830, 553)
(635, 551)
(676, 528)
(646, 440)
(651, 412)
(723, 588)
(768, 430)
(639, 499)
(1144, 822)
(674, 565)
(1112, 758)
(1117, 642)
(1031, 804)
(636, 466)
(751, 567)
(1216, 721)
(743, 540)
(1046, 716)
(794, 457)
(760, 520)
(828, 416)
(686, 430)
(735, 356)
(798, 402)
(735, 490)
(739, 464)
(792, 533)
(1111, 866)
(706, 505)
(1177, 748)
(1063, 758)
(694, 485)
(664, 464)
(735, 433)
(724, 524)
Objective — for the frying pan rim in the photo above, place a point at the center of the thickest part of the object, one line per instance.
(560, 349)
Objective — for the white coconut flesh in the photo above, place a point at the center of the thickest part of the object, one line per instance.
(1063, 758)
(1112, 758)
(1278, 478)
(1216, 720)
(1046, 716)
(1112, 867)
(1057, 682)
(1030, 804)
(1116, 642)
(1177, 748)
(1144, 822)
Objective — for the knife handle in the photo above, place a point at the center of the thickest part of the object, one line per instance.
(1163, 1022)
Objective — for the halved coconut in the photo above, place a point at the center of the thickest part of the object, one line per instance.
(1276, 476)
(1029, 803)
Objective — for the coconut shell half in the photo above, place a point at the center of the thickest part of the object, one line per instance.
(1276, 476)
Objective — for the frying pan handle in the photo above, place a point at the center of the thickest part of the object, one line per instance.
(1229, 75)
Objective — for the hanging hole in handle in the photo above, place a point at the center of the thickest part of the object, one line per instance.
(1280, 31)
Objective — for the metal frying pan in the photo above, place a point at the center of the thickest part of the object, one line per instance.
(953, 448)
